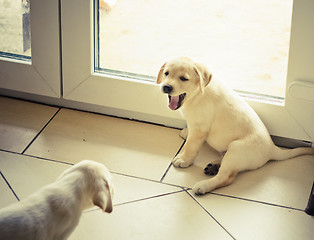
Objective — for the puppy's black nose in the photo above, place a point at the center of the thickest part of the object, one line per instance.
(167, 88)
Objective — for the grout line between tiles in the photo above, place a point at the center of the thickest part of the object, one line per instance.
(167, 170)
(210, 215)
(140, 200)
(256, 201)
(148, 198)
(9, 186)
(32, 156)
(146, 179)
(8, 151)
(47, 159)
(252, 200)
(40, 131)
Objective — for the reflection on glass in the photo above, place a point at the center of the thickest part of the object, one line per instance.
(15, 38)
(245, 43)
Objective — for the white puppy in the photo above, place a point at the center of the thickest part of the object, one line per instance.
(54, 211)
(216, 114)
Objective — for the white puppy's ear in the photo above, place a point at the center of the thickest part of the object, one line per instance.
(161, 72)
(103, 198)
(204, 75)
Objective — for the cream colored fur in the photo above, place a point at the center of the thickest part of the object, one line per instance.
(54, 211)
(216, 114)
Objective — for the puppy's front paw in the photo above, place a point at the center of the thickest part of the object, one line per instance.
(184, 133)
(179, 161)
(201, 187)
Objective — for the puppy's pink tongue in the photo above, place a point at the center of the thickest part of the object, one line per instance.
(173, 102)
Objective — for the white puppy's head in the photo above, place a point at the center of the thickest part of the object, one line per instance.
(96, 182)
(182, 79)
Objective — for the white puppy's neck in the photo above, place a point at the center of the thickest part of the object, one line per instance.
(68, 186)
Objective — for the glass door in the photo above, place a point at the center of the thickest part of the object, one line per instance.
(29, 46)
(245, 43)
(112, 52)
(15, 29)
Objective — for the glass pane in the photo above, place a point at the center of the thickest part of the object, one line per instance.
(245, 43)
(15, 38)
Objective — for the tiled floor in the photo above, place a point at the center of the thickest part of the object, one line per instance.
(152, 199)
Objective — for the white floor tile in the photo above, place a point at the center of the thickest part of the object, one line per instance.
(251, 220)
(126, 147)
(7, 197)
(286, 183)
(129, 189)
(20, 122)
(175, 216)
(28, 174)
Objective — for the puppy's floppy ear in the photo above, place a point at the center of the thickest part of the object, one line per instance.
(204, 75)
(103, 198)
(161, 71)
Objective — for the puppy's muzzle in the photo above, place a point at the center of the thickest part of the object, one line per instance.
(167, 88)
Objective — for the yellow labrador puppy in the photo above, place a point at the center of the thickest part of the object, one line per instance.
(216, 114)
(54, 211)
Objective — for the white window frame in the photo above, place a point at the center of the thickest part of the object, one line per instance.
(41, 76)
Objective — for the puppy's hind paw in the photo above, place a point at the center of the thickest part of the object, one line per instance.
(181, 162)
(211, 169)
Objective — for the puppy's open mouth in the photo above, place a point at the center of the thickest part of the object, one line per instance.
(175, 102)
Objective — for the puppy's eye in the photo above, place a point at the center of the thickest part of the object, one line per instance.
(183, 79)
(167, 73)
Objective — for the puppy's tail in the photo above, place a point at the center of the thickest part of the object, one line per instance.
(283, 154)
